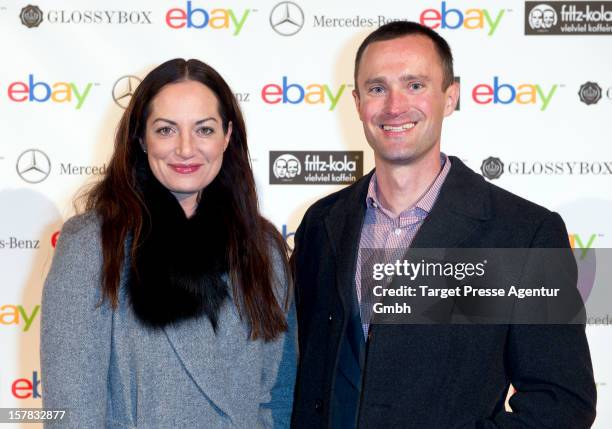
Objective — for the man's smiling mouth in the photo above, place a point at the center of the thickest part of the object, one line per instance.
(399, 127)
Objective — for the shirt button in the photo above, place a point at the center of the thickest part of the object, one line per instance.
(330, 318)
(398, 231)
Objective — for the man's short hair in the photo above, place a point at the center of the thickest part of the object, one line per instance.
(397, 29)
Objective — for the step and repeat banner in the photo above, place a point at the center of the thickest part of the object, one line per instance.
(535, 117)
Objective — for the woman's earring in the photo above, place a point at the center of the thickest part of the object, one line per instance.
(143, 146)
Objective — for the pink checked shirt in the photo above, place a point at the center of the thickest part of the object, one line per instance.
(381, 230)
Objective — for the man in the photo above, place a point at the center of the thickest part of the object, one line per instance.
(293, 168)
(356, 374)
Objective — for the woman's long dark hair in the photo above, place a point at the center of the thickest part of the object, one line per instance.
(118, 200)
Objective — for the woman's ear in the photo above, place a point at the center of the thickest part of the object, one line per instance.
(143, 146)
(228, 135)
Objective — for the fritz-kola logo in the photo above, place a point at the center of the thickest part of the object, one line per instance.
(286, 18)
(312, 168)
(286, 167)
(492, 168)
(542, 18)
(568, 18)
(31, 16)
(590, 93)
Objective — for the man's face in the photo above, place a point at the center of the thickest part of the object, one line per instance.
(400, 99)
(549, 18)
(280, 168)
(536, 18)
(292, 168)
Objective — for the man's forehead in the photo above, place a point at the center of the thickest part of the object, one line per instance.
(411, 42)
(406, 57)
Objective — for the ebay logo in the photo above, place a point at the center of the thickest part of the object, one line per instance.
(288, 236)
(199, 18)
(25, 388)
(471, 19)
(297, 93)
(582, 242)
(506, 93)
(41, 92)
(17, 315)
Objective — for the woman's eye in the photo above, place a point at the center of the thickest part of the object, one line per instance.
(164, 131)
(205, 131)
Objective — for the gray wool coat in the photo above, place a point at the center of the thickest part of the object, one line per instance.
(108, 370)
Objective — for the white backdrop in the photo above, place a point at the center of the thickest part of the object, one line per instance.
(60, 77)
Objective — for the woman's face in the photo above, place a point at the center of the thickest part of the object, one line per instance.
(184, 140)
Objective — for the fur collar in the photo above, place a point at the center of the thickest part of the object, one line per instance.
(179, 262)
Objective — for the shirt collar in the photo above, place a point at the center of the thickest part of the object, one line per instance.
(424, 204)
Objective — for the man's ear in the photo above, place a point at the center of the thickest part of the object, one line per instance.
(357, 100)
(452, 96)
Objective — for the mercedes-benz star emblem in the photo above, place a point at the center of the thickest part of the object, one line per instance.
(124, 88)
(33, 166)
(287, 18)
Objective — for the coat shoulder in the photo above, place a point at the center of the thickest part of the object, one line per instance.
(82, 225)
(322, 206)
(509, 205)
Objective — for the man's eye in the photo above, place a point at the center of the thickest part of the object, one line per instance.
(377, 90)
(416, 85)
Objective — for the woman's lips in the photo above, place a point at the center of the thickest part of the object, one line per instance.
(185, 168)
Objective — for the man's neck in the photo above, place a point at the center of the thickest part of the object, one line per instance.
(401, 186)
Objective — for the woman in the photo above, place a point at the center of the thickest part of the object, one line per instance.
(166, 303)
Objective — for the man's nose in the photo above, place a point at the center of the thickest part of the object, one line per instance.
(397, 102)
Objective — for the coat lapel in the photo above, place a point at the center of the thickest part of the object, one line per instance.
(462, 204)
(190, 340)
(343, 225)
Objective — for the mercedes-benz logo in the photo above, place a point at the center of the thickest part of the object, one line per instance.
(31, 16)
(287, 18)
(124, 88)
(33, 166)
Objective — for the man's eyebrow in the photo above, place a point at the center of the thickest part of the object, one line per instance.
(378, 79)
(409, 77)
(403, 78)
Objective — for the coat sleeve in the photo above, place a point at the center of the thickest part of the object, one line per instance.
(75, 329)
(278, 378)
(549, 365)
